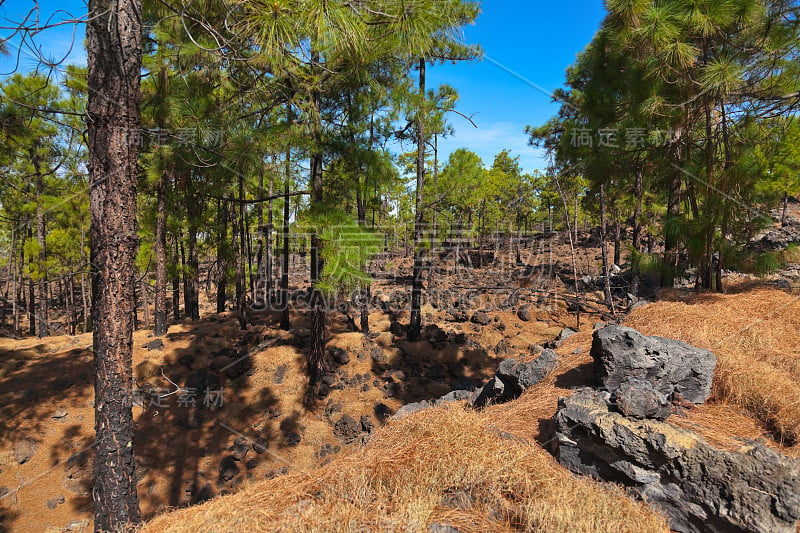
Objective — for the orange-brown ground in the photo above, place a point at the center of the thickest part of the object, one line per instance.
(400, 476)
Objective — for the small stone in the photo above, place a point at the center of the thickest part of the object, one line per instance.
(293, 438)
(524, 313)
(382, 411)
(480, 318)
(24, 450)
(565, 334)
(367, 424)
(280, 373)
(339, 355)
(228, 469)
(502, 348)
(241, 446)
(347, 429)
(60, 413)
(156, 344)
(78, 474)
(76, 525)
(377, 355)
(410, 408)
(52, 503)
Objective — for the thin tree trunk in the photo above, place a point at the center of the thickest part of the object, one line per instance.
(177, 256)
(285, 317)
(73, 317)
(223, 253)
(31, 298)
(241, 295)
(191, 283)
(431, 271)
(160, 248)
(42, 285)
(12, 275)
(415, 325)
(114, 67)
(316, 353)
(270, 284)
(572, 253)
(145, 302)
(604, 241)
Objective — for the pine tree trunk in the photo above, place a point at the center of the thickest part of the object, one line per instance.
(317, 349)
(285, 317)
(191, 283)
(176, 279)
(366, 295)
(674, 200)
(604, 242)
(270, 285)
(114, 67)
(415, 325)
(239, 239)
(431, 271)
(31, 298)
(12, 275)
(222, 255)
(160, 248)
(145, 303)
(42, 286)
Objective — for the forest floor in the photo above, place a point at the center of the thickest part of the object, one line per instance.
(221, 410)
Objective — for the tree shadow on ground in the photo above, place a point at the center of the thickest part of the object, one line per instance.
(45, 393)
(205, 425)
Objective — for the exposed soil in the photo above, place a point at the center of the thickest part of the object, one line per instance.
(253, 416)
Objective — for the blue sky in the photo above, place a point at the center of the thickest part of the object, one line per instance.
(528, 46)
(534, 40)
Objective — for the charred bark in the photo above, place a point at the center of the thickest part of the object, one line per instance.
(114, 68)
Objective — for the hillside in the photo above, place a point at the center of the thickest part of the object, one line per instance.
(489, 471)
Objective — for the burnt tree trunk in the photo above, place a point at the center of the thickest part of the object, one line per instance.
(176, 279)
(223, 253)
(160, 246)
(114, 67)
(191, 282)
(415, 325)
(604, 243)
(42, 286)
(285, 317)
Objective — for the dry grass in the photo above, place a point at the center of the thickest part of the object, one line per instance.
(754, 335)
(414, 473)
(489, 471)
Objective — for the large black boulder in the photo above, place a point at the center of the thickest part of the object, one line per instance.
(621, 354)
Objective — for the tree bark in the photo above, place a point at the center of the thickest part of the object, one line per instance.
(114, 51)
(604, 242)
(268, 273)
(191, 282)
(415, 325)
(223, 254)
(177, 252)
(31, 296)
(316, 353)
(285, 317)
(239, 239)
(160, 246)
(41, 238)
